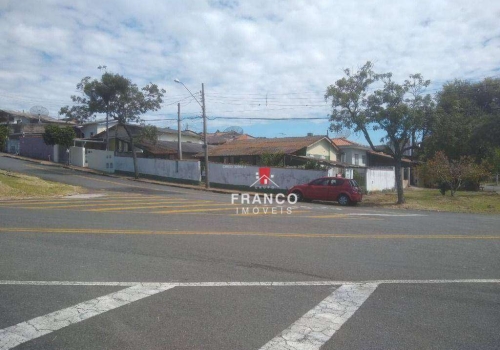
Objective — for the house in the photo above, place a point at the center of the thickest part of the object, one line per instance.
(297, 150)
(363, 157)
(219, 138)
(352, 153)
(119, 139)
(169, 149)
(25, 135)
(90, 129)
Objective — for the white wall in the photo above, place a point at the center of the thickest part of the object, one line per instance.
(184, 138)
(77, 156)
(182, 169)
(100, 160)
(246, 175)
(379, 179)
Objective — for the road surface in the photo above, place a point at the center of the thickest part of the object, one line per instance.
(140, 266)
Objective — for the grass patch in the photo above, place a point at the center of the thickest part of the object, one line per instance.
(431, 199)
(15, 185)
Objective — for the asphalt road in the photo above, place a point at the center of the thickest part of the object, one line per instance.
(141, 266)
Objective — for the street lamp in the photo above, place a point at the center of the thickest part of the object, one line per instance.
(205, 145)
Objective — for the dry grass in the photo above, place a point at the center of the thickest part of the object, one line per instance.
(431, 199)
(16, 186)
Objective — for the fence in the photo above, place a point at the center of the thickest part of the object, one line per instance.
(250, 176)
(100, 160)
(188, 170)
(379, 179)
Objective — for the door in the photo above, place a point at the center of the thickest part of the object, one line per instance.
(334, 189)
(318, 189)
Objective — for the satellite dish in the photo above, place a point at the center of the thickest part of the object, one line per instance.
(39, 111)
(344, 133)
(235, 129)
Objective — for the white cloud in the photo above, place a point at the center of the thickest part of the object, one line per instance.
(242, 50)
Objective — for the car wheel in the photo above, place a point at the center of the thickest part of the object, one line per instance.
(343, 200)
(299, 195)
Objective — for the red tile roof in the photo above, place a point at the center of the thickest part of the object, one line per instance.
(258, 146)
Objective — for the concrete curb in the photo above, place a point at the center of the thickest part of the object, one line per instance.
(154, 182)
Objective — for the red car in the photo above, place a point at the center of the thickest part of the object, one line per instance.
(344, 191)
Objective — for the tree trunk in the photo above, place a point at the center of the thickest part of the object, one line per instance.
(399, 181)
(134, 156)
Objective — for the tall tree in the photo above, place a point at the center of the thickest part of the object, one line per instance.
(118, 97)
(400, 110)
(467, 120)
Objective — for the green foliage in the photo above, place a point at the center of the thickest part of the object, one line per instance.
(312, 165)
(453, 174)
(56, 135)
(4, 133)
(149, 133)
(467, 120)
(400, 110)
(115, 95)
(272, 159)
(360, 179)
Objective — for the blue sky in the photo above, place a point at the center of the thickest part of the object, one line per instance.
(257, 59)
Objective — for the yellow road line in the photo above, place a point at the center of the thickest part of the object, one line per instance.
(108, 181)
(114, 206)
(235, 233)
(155, 206)
(269, 213)
(34, 201)
(89, 204)
(192, 210)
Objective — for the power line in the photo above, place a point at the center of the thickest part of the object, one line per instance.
(270, 119)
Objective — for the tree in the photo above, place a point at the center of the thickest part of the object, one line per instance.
(56, 135)
(117, 97)
(494, 162)
(149, 133)
(400, 110)
(272, 159)
(4, 133)
(467, 120)
(452, 174)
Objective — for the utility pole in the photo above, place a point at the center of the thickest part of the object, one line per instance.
(205, 144)
(179, 145)
(107, 124)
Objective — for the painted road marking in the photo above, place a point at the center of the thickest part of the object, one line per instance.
(243, 284)
(232, 207)
(154, 206)
(382, 214)
(311, 331)
(236, 233)
(101, 200)
(319, 324)
(39, 326)
(113, 205)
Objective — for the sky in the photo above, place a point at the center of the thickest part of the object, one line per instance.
(257, 59)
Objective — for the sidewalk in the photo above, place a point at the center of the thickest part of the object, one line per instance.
(155, 182)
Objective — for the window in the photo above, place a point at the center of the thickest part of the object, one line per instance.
(363, 160)
(342, 157)
(336, 182)
(320, 182)
(356, 159)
